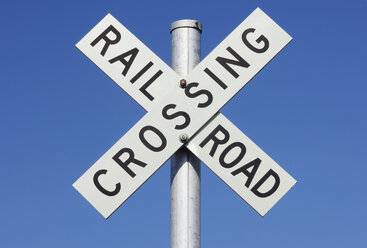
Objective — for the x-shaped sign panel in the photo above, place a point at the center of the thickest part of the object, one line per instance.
(193, 111)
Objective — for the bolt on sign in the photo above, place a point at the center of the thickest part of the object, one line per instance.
(185, 113)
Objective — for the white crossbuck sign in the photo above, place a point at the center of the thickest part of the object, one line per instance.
(190, 111)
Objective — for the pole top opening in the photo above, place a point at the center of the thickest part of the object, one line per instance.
(186, 23)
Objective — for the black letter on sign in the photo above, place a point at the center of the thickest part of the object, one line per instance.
(128, 161)
(157, 132)
(261, 182)
(215, 78)
(262, 38)
(239, 157)
(217, 141)
(141, 72)
(198, 93)
(250, 174)
(143, 88)
(103, 190)
(132, 53)
(174, 115)
(240, 62)
(106, 39)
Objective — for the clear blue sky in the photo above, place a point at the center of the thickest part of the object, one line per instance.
(59, 113)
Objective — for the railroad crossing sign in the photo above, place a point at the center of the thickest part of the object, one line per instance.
(184, 112)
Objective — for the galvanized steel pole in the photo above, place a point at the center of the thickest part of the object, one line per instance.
(185, 167)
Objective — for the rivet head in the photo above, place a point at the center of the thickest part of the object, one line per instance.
(182, 83)
(183, 137)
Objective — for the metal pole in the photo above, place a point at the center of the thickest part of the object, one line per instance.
(185, 167)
